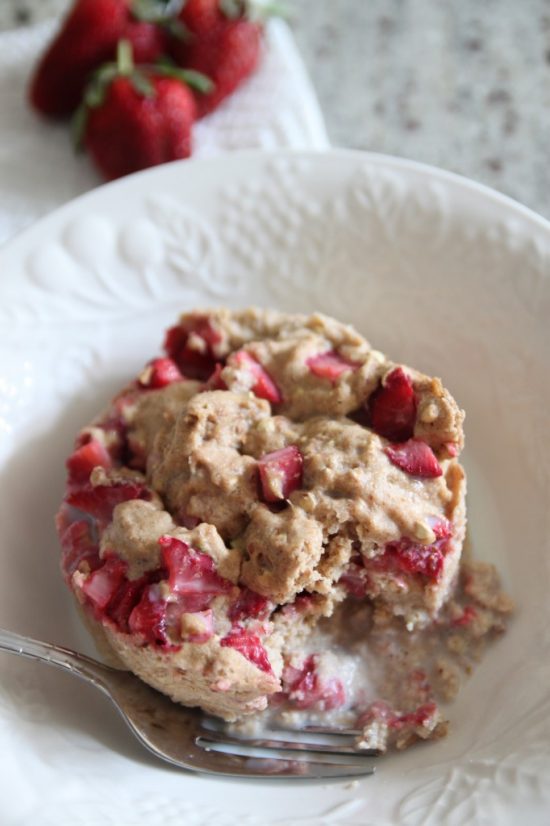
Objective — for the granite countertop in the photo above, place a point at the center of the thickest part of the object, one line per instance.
(464, 86)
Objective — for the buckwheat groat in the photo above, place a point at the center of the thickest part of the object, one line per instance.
(267, 477)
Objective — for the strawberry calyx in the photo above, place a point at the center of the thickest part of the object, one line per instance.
(255, 10)
(141, 79)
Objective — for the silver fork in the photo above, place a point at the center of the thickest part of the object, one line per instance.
(187, 738)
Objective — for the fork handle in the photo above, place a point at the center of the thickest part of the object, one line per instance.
(77, 664)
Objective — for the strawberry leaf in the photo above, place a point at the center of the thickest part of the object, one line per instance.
(196, 80)
(142, 85)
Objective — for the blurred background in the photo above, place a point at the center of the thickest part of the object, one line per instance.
(461, 84)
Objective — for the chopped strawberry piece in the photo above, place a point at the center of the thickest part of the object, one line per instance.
(355, 580)
(192, 346)
(262, 385)
(393, 407)
(414, 457)
(102, 585)
(306, 689)
(452, 448)
(215, 382)
(442, 528)
(203, 627)
(468, 615)
(125, 600)
(280, 473)
(249, 604)
(101, 500)
(148, 618)
(330, 365)
(417, 718)
(160, 373)
(88, 456)
(417, 559)
(249, 646)
(78, 547)
(192, 575)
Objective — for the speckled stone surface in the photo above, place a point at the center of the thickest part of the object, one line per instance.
(463, 85)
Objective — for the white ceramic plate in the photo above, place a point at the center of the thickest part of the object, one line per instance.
(439, 272)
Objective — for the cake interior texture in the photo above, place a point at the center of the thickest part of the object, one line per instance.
(269, 522)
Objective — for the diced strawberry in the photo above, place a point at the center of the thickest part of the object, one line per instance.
(262, 385)
(468, 615)
(215, 382)
(192, 346)
(416, 559)
(89, 455)
(192, 575)
(330, 365)
(417, 718)
(306, 689)
(160, 373)
(187, 521)
(355, 580)
(280, 473)
(101, 500)
(442, 528)
(125, 600)
(148, 618)
(249, 604)
(414, 457)
(78, 547)
(392, 407)
(102, 585)
(249, 646)
(200, 635)
(452, 448)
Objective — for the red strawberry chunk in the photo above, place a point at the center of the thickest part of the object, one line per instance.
(261, 384)
(148, 618)
(249, 604)
(102, 585)
(249, 646)
(216, 382)
(88, 456)
(417, 559)
(101, 500)
(452, 448)
(414, 457)
(192, 575)
(160, 373)
(393, 407)
(330, 365)
(192, 346)
(468, 615)
(78, 547)
(306, 689)
(280, 473)
(442, 528)
(355, 580)
(418, 718)
(124, 602)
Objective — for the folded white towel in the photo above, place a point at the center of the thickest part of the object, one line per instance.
(39, 169)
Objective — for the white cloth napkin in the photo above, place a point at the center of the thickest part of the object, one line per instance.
(39, 170)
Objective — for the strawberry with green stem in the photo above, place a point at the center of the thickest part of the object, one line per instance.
(221, 39)
(133, 117)
(89, 37)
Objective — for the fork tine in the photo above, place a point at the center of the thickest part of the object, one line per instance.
(316, 729)
(267, 767)
(283, 745)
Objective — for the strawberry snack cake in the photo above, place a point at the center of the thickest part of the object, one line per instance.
(269, 522)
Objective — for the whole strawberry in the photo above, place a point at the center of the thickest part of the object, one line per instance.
(133, 118)
(221, 42)
(88, 38)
